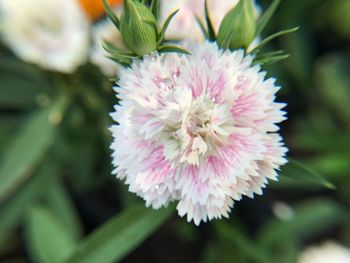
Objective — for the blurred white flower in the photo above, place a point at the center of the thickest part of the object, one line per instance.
(200, 129)
(53, 34)
(184, 24)
(329, 252)
(105, 30)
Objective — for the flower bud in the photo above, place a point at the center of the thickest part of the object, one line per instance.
(238, 27)
(138, 27)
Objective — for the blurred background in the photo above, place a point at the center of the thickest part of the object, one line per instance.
(55, 165)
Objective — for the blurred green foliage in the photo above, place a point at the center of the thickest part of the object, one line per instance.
(56, 187)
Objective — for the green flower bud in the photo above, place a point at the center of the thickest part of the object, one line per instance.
(138, 28)
(238, 27)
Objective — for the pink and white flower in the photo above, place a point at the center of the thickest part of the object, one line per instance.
(200, 129)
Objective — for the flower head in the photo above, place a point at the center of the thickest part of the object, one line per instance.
(51, 33)
(200, 129)
(326, 253)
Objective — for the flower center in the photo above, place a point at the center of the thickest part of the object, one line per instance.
(200, 128)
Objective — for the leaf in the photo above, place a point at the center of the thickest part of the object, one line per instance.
(29, 147)
(127, 200)
(121, 57)
(245, 245)
(289, 252)
(112, 49)
(265, 18)
(14, 66)
(60, 204)
(165, 27)
(203, 29)
(48, 240)
(77, 153)
(120, 235)
(273, 36)
(22, 85)
(309, 218)
(118, 55)
(299, 171)
(270, 60)
(212, 253)
(332, 165)
(155, 8)
(112, 16)
(269, 54)
(303, 47)
(8, 125)
(169, 49)
(333, 81)
(19, 94)
(12, 212)
(211, 31)
(122, 61)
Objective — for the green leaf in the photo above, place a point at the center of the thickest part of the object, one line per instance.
(18, 68)
(246, 246)
(289, 252)
(332, 165)
(333, 81)
(118, 55)
(17, 93)
(20, 93)
(303, 47)
(60, 204)
(122, 61)
(265, 18)
(77, 152)
(29, 147)
(309, 218)
(22, 85)
(155, 8)
(48, 240)
(266, 55)
(211, 31)
(170, 49)
(127, 200)
(210, 253)
(112, 16)
(13, 211)
(273, 36)
(8, 125)
(203, 29)
(270, 60)
(120, 235)
(338, 17)
(165, 27)
(299, 171)
(113, 50)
